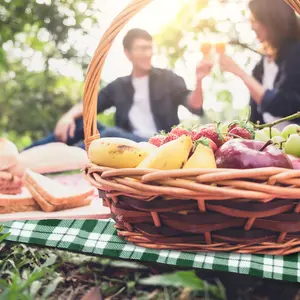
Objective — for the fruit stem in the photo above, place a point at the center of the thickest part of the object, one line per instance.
(268, 143)
(288, 118)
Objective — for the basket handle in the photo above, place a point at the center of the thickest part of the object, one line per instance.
(90, 95)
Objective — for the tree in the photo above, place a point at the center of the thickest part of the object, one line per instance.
(36, 37)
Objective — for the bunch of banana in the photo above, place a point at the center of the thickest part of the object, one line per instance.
(118, 152)
(172, 155)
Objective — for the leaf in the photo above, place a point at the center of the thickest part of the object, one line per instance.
(3, 284)
(50, 261)
(127, 265)
(51, 287)
(35, 276)
(185, 279)
(35, 287)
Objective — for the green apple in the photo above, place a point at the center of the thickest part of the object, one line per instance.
(260, 135)
(292, 145)
(290, 129)
(274, 132)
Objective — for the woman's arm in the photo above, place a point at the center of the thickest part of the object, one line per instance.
(281, 101)
(256, 90)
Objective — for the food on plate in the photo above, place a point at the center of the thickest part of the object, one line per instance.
(52, 158)
(202, 157)
(20, 202)
(9, 184)
(172, 155)
(52, 195)
(8, 154)
(117, 153)
(248, 154)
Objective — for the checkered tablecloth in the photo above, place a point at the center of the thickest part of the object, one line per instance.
(100, 238)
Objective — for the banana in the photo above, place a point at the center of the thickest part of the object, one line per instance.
(147, 146)
(116, 153)
(203, 157)
(172, 155)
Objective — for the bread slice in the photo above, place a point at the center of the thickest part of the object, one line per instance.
(18, 203)
(53, 196)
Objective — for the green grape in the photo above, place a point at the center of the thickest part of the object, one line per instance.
(290, 129)
(224, 127)
(260, 135)
(292, 145)
(278, 141)
(274, 132)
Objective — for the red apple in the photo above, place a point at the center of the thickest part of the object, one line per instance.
(295, 161)
(249, 154)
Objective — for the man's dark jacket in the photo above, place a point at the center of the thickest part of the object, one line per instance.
(167, 92)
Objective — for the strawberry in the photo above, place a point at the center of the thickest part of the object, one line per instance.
(242, 129)
(170, 137)
(180, 131)
(194, 135)
(212, 132)
(228, 138)
(207, 142)
(241, 132)
(157, 140)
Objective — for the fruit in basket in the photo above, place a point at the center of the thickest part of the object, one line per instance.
(292, 145)
(224, 127)
(206, 142)
(260, 135)
(241, 129)
(271, 132)
(172, 155)
(278, 141)
(295, 161)
(202, 157)
(157, 140)
(170, 137)
(212, 132)
(248, 154)
(147, 146)
(117, 153)
(290, 129)
(179, 131)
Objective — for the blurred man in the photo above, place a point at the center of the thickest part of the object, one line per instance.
(146, 101)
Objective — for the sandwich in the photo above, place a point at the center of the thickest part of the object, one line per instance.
(53, 196)
(21, 202)
(10, 184)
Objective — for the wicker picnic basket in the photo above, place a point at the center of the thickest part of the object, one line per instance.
(245, 211)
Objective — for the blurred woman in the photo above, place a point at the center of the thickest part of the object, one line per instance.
(275, 82)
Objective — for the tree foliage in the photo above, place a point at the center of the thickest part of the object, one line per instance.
(36, 39)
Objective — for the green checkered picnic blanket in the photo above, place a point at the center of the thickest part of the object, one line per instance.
(100, 237)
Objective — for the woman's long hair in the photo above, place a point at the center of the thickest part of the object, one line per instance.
(280, 20)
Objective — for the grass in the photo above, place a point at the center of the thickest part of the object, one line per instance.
(41, 273)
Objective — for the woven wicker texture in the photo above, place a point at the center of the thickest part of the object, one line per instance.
(246, 211)
(295, 4)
